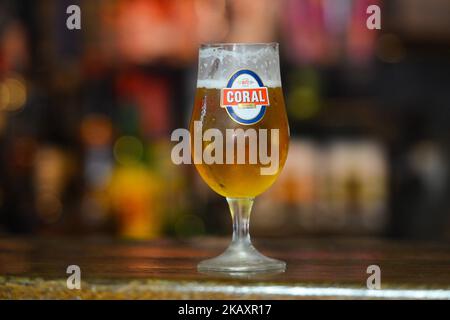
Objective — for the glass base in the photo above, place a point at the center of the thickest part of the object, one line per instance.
(241, 257)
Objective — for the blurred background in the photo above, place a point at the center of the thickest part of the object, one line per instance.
(86, 117)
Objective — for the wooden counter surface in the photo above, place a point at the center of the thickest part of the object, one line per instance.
(166, 269)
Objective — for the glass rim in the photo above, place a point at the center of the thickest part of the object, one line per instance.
(238, 44)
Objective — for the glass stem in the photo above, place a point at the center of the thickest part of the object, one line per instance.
(240, 212)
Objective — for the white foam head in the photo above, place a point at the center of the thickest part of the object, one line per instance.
(218, 62)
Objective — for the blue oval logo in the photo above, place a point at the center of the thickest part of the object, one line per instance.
(245, 98)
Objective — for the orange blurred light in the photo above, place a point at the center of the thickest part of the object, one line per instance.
(13, 94)
(96, 130)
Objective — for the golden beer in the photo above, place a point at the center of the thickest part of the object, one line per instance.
(239, 138)
(239, 180)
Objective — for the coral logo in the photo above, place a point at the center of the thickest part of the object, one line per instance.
(245, 98)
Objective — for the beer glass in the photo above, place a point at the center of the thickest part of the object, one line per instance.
(239, 99)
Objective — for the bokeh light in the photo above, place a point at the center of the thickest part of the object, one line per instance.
(128, 150)
(13, 94)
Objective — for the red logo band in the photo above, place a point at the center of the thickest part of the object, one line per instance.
(244, 98)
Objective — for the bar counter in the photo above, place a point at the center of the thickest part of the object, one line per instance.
(325, 268)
